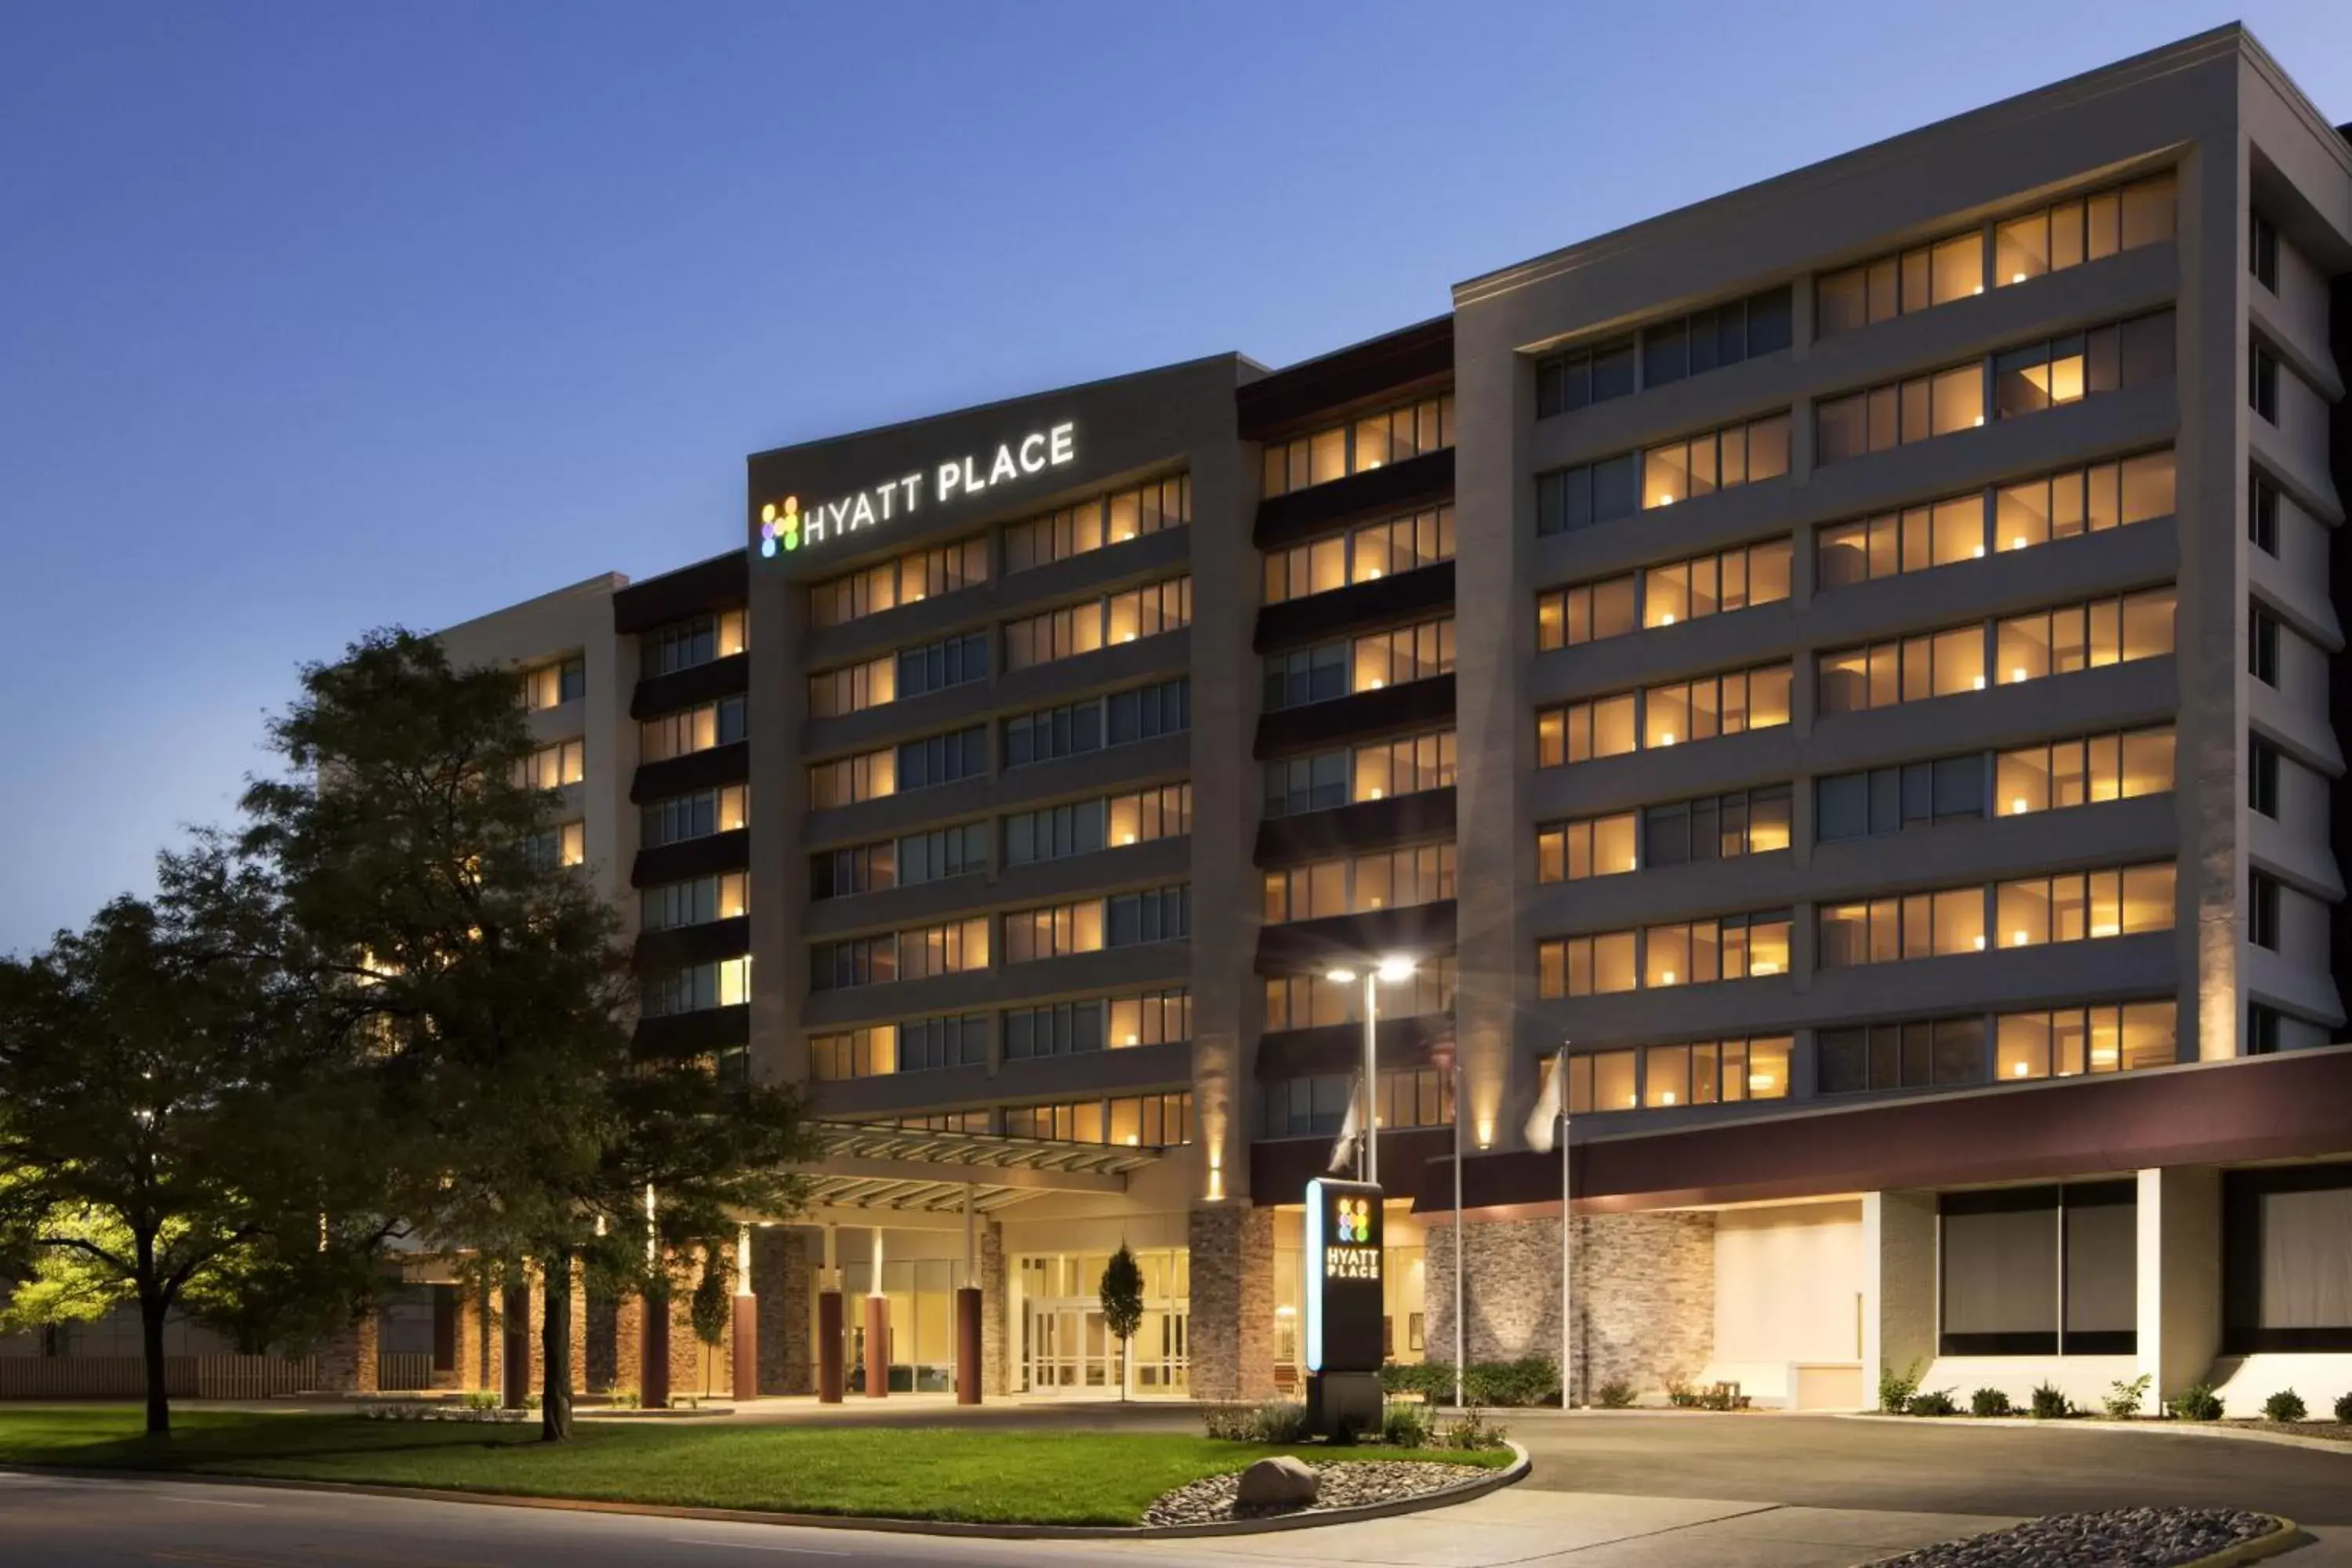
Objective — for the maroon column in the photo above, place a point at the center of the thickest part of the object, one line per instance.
(877, 1346)
(967, 1345)
(828, 1347)
(747, 1347)
(653, 1360)
(514, 1367)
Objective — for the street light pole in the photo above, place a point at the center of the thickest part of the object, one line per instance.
(1395, 968)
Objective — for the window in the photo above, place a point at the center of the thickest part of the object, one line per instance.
(2084, 771)
(1072, 729)
(1148, 1121)
(2263, 778)
(856, 869)
(1091, 524)
(1916, 279)
(1588, 494)
(2262, 1030)
(2079, 906)
(1932, 1053)
(1366, 664)
(1363, 554)
(936, 666)
(1310, 1001)
(1374, 441)
(1597, 847)
(2083, 501)
(1915, 925)
(1405, 766)
(2286, 1240)
(552, 685)
(917, 954)
(2263, 381)
(1715, 460)
(1714, 584)
(2068, 369)
(1389, 879)
(2084, 637)
(855, 688)
(1569, 617)
(1899, 412)
(699, 639)
(565, 844)
(1602, 727)
(697, 815)
(1736, 947)
(1053, 932)
(917, 1046)
(1715, 705)
(918, 857)
(2087, 228)
(1081, 827)
(1937, 664)
(1603, 1080)
(2262, 645)
(696, 989)
(2262, 910)
(2073, 1040)
(1055, 1030)
(1160, 914)
(1717, 827)
(1097, 623)
(2039, 1270)
(943, 759)
(1153, 1018)
(1711, 339)
(691, 903)
(2263, 513)
(1318, 1105)
(697, 729)
(907, 579)
(1890, 800)
(552, 767)
(1913, 540)
(1586, 965)
(1583, 378)
(1705, 1073)
(2263, 250)
(847, 780)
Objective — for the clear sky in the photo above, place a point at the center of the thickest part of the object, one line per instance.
(316, 317)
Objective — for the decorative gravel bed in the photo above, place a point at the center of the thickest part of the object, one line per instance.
(1350, 1483)
(2120, 1538)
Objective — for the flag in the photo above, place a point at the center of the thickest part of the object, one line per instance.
(1541, 1129)
(1351, 1131)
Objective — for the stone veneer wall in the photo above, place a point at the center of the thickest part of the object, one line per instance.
(995, 1365)
(780, 1279)
(1645, 1295)
(1232, 1330)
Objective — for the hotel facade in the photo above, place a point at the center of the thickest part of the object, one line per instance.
(1849, 662)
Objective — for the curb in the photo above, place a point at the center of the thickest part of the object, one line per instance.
(2285, 1538)
(2210, 1429)
(1486, 1481)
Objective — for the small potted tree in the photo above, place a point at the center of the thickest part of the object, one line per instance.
(1123, 1304)
(713, 1311)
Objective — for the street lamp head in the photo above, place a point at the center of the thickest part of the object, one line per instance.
(1396, 967)
(1341, 976)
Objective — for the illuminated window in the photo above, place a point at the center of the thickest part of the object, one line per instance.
(1121, 919)
(1587, 965)
(690, 730)
(1374, 441)
(1368, 663)
(848, 780)
(855, 688)
(1716, 827)
(1309, 1001)
(1082, 827)
(907, 579)
(1694, 953)
(1896, 285)
(2083, 501)
(1100, 521)
(1709, 1073)
(1602, 727)
(696, 988)
(2086, 228)
(2073, 637)
(552, 767)
(695, 902)
(1717, 459)
(917, 1046)
(1318, 1105)
(1388, 880)
(2081, 906)
(1912, 540)
(1935, 664)
(1597, 847)
(1569, 617)
(1715, 705)
(2068, 369)
(1148, 1121)
(1918, 408)
(1099, 623)
(700, 639)
(2084, 771)
(697, 814)
(918, 857)
(1713, 585)
(1914, 925)
(2075, 1040)
(1364, 554)
(552, 685)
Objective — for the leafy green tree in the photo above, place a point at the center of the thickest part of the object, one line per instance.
(167, 1115)
(415, 859)
(1123, 1304)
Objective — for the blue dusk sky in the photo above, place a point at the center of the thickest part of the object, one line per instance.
(315, 318)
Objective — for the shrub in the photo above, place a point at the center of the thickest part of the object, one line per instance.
(2049, 1404)
(1988, 1402)
(1530, 1380)
(1616, 1394)
(2125, 1399)
(1472, 1432)
(2286, 1404)
(1279, 1421)
(1939, 1403)
(1896, 1388)
(1680, 1395)
(1432, 1380)
(2343, 1408)
(624, 1398)
(478, 1399)
(1229, 1423)
(2198, 1402)
(1405, 1425)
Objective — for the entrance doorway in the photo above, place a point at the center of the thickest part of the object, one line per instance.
(1068, 1348)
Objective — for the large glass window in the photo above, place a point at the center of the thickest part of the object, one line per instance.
(1099, 623)
(2039, 1270)
(2079, 906)
(844, 781)
(1686, 952)
(2069, 1041)
(725, 982)
(2084, 771)
(699, 639)
(906, 579)
(1916, 408)
(2286, 1238)
(919, 1045)
(553, 766)
(1891, 800)
(552, 685)
(1373, 441)
(2073, 637)
(1583, 377)
(1898, 284)
(2068, 369)
(697, 814)
(698, 901)
(1715, 460)
(2083, 501)
(1670, 715)
(1317, 1104)
(1362, 554)
(1724, 334)
(689, 730)
(1717, 827)
(1569, 617)
(1367, 663)
(1589, 494)
(1148, 1121)
(2085, 229)
(1099, 521)
(1714, 584)
(1936, 664)
(1920, 1054)
(1587, 965)
(1388, 880)
(1314, 1000)
(1072, 729)
(1596, 846)
(1913, 540)
(1913, 925)
(1705, 1073)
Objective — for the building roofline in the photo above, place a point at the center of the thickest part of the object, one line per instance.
(603, 585)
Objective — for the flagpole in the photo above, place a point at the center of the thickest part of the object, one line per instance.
(1567, 1243)
(1461, 1235)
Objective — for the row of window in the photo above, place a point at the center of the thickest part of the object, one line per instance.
(552, 685)
(1668, 715)
(2062, 1042)
(1374, 441)
(690, 730)
(1679, 953)
(953, 947)
(1362, 554)
(565, 844)
(2057, 641)
(2019, 517)
(1148, 1121)
(1726, 334)
(698, 901)
(1385, 880)
(696, 988)
(1375, 771)
(1061, 1029)
(1716, 827)
(1318, 1105)
(910, 672)
(1073, 629)
(553, 766)
(697, 639)
(1702, 1072)
(2029, 911)
(1068, 728)
(1714, 583)
(1098, 522)
(907, 579)
(1312, 1001)
(1367, 663)
(1608, 489)
(696, 815)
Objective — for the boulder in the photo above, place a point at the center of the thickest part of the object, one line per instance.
(1280, 1482)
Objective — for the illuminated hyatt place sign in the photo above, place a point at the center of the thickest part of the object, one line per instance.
(785, 526)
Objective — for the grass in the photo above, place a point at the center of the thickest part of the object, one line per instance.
(994, 1477)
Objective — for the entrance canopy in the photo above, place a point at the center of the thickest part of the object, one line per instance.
(869, 1165)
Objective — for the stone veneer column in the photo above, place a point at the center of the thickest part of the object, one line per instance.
(779, 1278)
(629, 1341)
(995, 1309)
(1898, 1284)
(347, 1362)
(476, 1337)
(1231, 1305)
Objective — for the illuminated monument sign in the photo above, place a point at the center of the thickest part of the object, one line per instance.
(1344, 1328)
(785, 527)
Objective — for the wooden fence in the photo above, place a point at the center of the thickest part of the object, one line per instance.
(403, 1372)
(184, 1376)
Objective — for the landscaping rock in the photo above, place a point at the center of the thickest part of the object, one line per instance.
(1277, 1483)
(1350, 1483)
(2120, 1538)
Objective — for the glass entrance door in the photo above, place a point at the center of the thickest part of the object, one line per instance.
(1068, 1348)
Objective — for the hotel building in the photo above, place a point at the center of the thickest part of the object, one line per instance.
(1891, 746)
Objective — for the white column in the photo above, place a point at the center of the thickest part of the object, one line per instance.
(1898, 1283)
(2180, 1268)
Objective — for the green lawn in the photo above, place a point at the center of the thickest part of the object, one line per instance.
(1047, 1478)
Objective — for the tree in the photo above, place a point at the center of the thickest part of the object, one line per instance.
(168, 1116)
(491, 980)
(1123, 1304)
(713, 1308)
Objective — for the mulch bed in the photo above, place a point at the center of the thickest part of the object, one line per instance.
(2119, 1538)
(1352, 1483)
